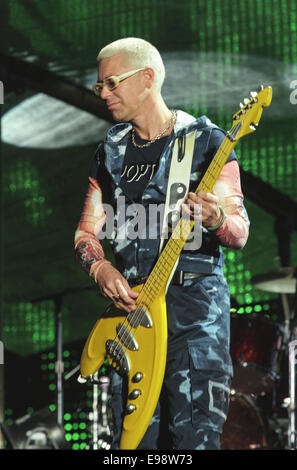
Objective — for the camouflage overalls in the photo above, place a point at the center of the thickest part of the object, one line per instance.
(194, 401)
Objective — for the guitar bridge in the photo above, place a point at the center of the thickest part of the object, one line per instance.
(118, 356)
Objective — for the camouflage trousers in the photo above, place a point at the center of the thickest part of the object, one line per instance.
(194, 400)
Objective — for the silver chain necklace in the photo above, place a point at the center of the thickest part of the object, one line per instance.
(150, 142)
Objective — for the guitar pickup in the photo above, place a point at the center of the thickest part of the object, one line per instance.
(140, 317)
(126, 337)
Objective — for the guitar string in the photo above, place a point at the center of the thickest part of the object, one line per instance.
(138, 312)
(137, 315)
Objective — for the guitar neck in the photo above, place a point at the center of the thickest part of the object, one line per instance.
(213, 171)
(158, 279)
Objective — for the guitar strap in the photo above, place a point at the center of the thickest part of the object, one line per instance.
(178, 183)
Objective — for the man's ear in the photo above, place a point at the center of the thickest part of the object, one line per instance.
(149, 74)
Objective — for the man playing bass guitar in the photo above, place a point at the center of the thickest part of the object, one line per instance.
(132, 165)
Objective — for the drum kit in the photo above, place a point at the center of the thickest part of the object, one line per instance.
(262, 403)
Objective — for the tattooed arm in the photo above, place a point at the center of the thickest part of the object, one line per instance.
(90, 255)
(88, 249)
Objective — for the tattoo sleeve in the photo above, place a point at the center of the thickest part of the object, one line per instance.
(88, 249)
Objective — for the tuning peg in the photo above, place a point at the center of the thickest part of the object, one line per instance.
(253, 94)
(261, 87)
(246, 100)
(242, 107)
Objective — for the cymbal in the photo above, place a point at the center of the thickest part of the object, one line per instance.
(282, 281)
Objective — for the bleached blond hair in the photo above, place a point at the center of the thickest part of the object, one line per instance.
(139, 53)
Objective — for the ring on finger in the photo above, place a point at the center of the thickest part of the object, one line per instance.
(116, 297)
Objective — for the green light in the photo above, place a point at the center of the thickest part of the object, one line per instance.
(231, 256)
(232, 289)
(67, 416)
(36, 320)
(248, 298)
(258, 308)
(24, 179)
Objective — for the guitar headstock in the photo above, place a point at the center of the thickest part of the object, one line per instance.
(245, 121)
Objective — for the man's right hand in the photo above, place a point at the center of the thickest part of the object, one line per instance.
(115, 287)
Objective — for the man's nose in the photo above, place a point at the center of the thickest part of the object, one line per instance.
(105, 92)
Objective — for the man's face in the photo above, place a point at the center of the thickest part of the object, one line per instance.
(125, 101)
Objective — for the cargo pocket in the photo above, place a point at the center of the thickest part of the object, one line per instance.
(210, 375)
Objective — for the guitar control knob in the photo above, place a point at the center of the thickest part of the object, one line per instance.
(81, 379)
(130, 408)
(134, 394)
(137, 377)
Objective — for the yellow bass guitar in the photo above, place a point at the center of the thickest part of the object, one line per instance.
(136, 343)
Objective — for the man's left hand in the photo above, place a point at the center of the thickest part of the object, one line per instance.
(210, 207)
